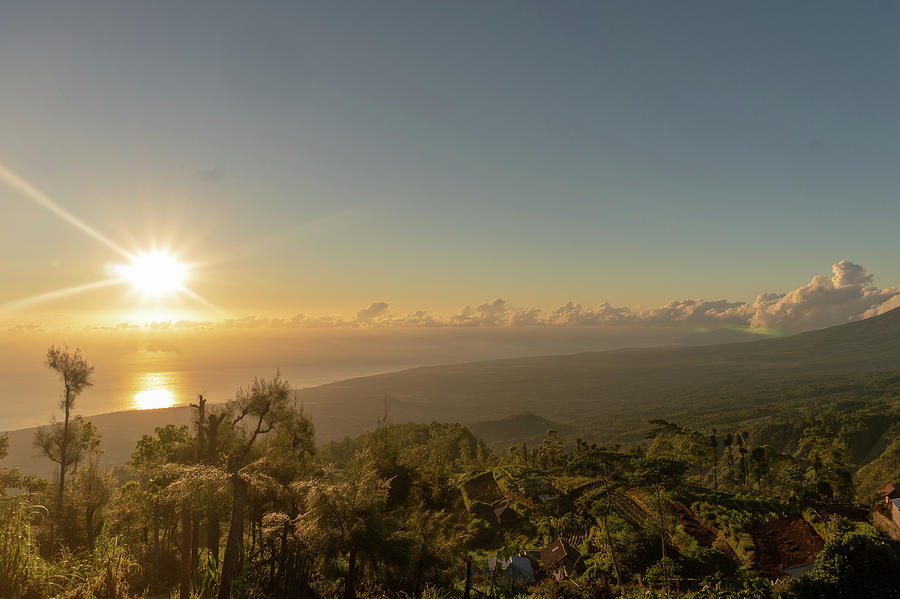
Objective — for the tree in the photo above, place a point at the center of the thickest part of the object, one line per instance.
(550, 453)
(345, 518)
(258, 407)
(208, 445)
(659, 475)
(827, 457)
(152, 458)
(743, 449)
(289, 450)
(852, 565)
(13, 477)
(610, 473)
(728, 442)
(56, 440)
(92, 487)
(760, 461)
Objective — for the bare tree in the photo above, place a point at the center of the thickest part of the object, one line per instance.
(57, 440)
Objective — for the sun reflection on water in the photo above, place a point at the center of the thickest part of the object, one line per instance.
(154, 391)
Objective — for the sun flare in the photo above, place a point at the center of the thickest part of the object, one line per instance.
(155, 273)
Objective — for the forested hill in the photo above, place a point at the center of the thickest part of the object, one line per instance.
(605, 395)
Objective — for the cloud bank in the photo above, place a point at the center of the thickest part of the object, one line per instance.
(848, 294)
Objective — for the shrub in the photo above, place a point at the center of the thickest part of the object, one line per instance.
(850, 566)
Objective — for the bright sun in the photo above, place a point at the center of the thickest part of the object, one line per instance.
(155, 273)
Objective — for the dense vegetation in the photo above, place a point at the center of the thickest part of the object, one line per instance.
(242, 503)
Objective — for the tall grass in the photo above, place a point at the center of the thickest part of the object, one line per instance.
(103, 573)
(22, 571)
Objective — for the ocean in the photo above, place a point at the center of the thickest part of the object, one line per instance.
(142, 369)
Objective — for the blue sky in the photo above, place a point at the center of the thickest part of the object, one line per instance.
(325, 155)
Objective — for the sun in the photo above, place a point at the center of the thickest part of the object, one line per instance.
(155, 273)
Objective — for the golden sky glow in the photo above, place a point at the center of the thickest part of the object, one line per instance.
(157, 276)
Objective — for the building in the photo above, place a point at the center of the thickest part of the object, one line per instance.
(887, 515)
(482, 487)
(894, 511)
(560, 560)
(516, 568)
(506, 516)
(891, 496)
(798, 571)
(889, 492)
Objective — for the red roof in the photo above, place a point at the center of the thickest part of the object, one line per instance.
(888, 490)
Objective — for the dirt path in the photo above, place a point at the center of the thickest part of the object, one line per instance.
(784, 543)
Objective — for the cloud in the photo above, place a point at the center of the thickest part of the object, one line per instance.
(848, 294)
(162, 347)
(372, 312)
(21, 328)
(171, 325)
(122, 326)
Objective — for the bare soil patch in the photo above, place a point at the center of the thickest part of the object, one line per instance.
(784, 543)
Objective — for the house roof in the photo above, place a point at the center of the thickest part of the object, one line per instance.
(515, 567)
(557, 551)
(518, 568)
(505, 509)
(798, 571)
(887, 490)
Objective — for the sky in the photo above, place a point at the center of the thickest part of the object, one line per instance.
(334, 164)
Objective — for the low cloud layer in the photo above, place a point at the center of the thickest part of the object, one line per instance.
(847, 295)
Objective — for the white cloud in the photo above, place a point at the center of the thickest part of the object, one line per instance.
(845, 296)
(848, 294)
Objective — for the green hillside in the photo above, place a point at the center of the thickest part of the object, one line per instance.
(606, 396)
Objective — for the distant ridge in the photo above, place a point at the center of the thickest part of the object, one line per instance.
(525, 427)
(717, 337)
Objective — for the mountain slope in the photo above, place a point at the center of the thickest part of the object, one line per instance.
(599, 396)
(599, 392)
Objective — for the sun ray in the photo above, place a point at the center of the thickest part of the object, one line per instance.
(26, 189)
(199, 298)
(249, 249)
(154, 274)
(59, 293)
